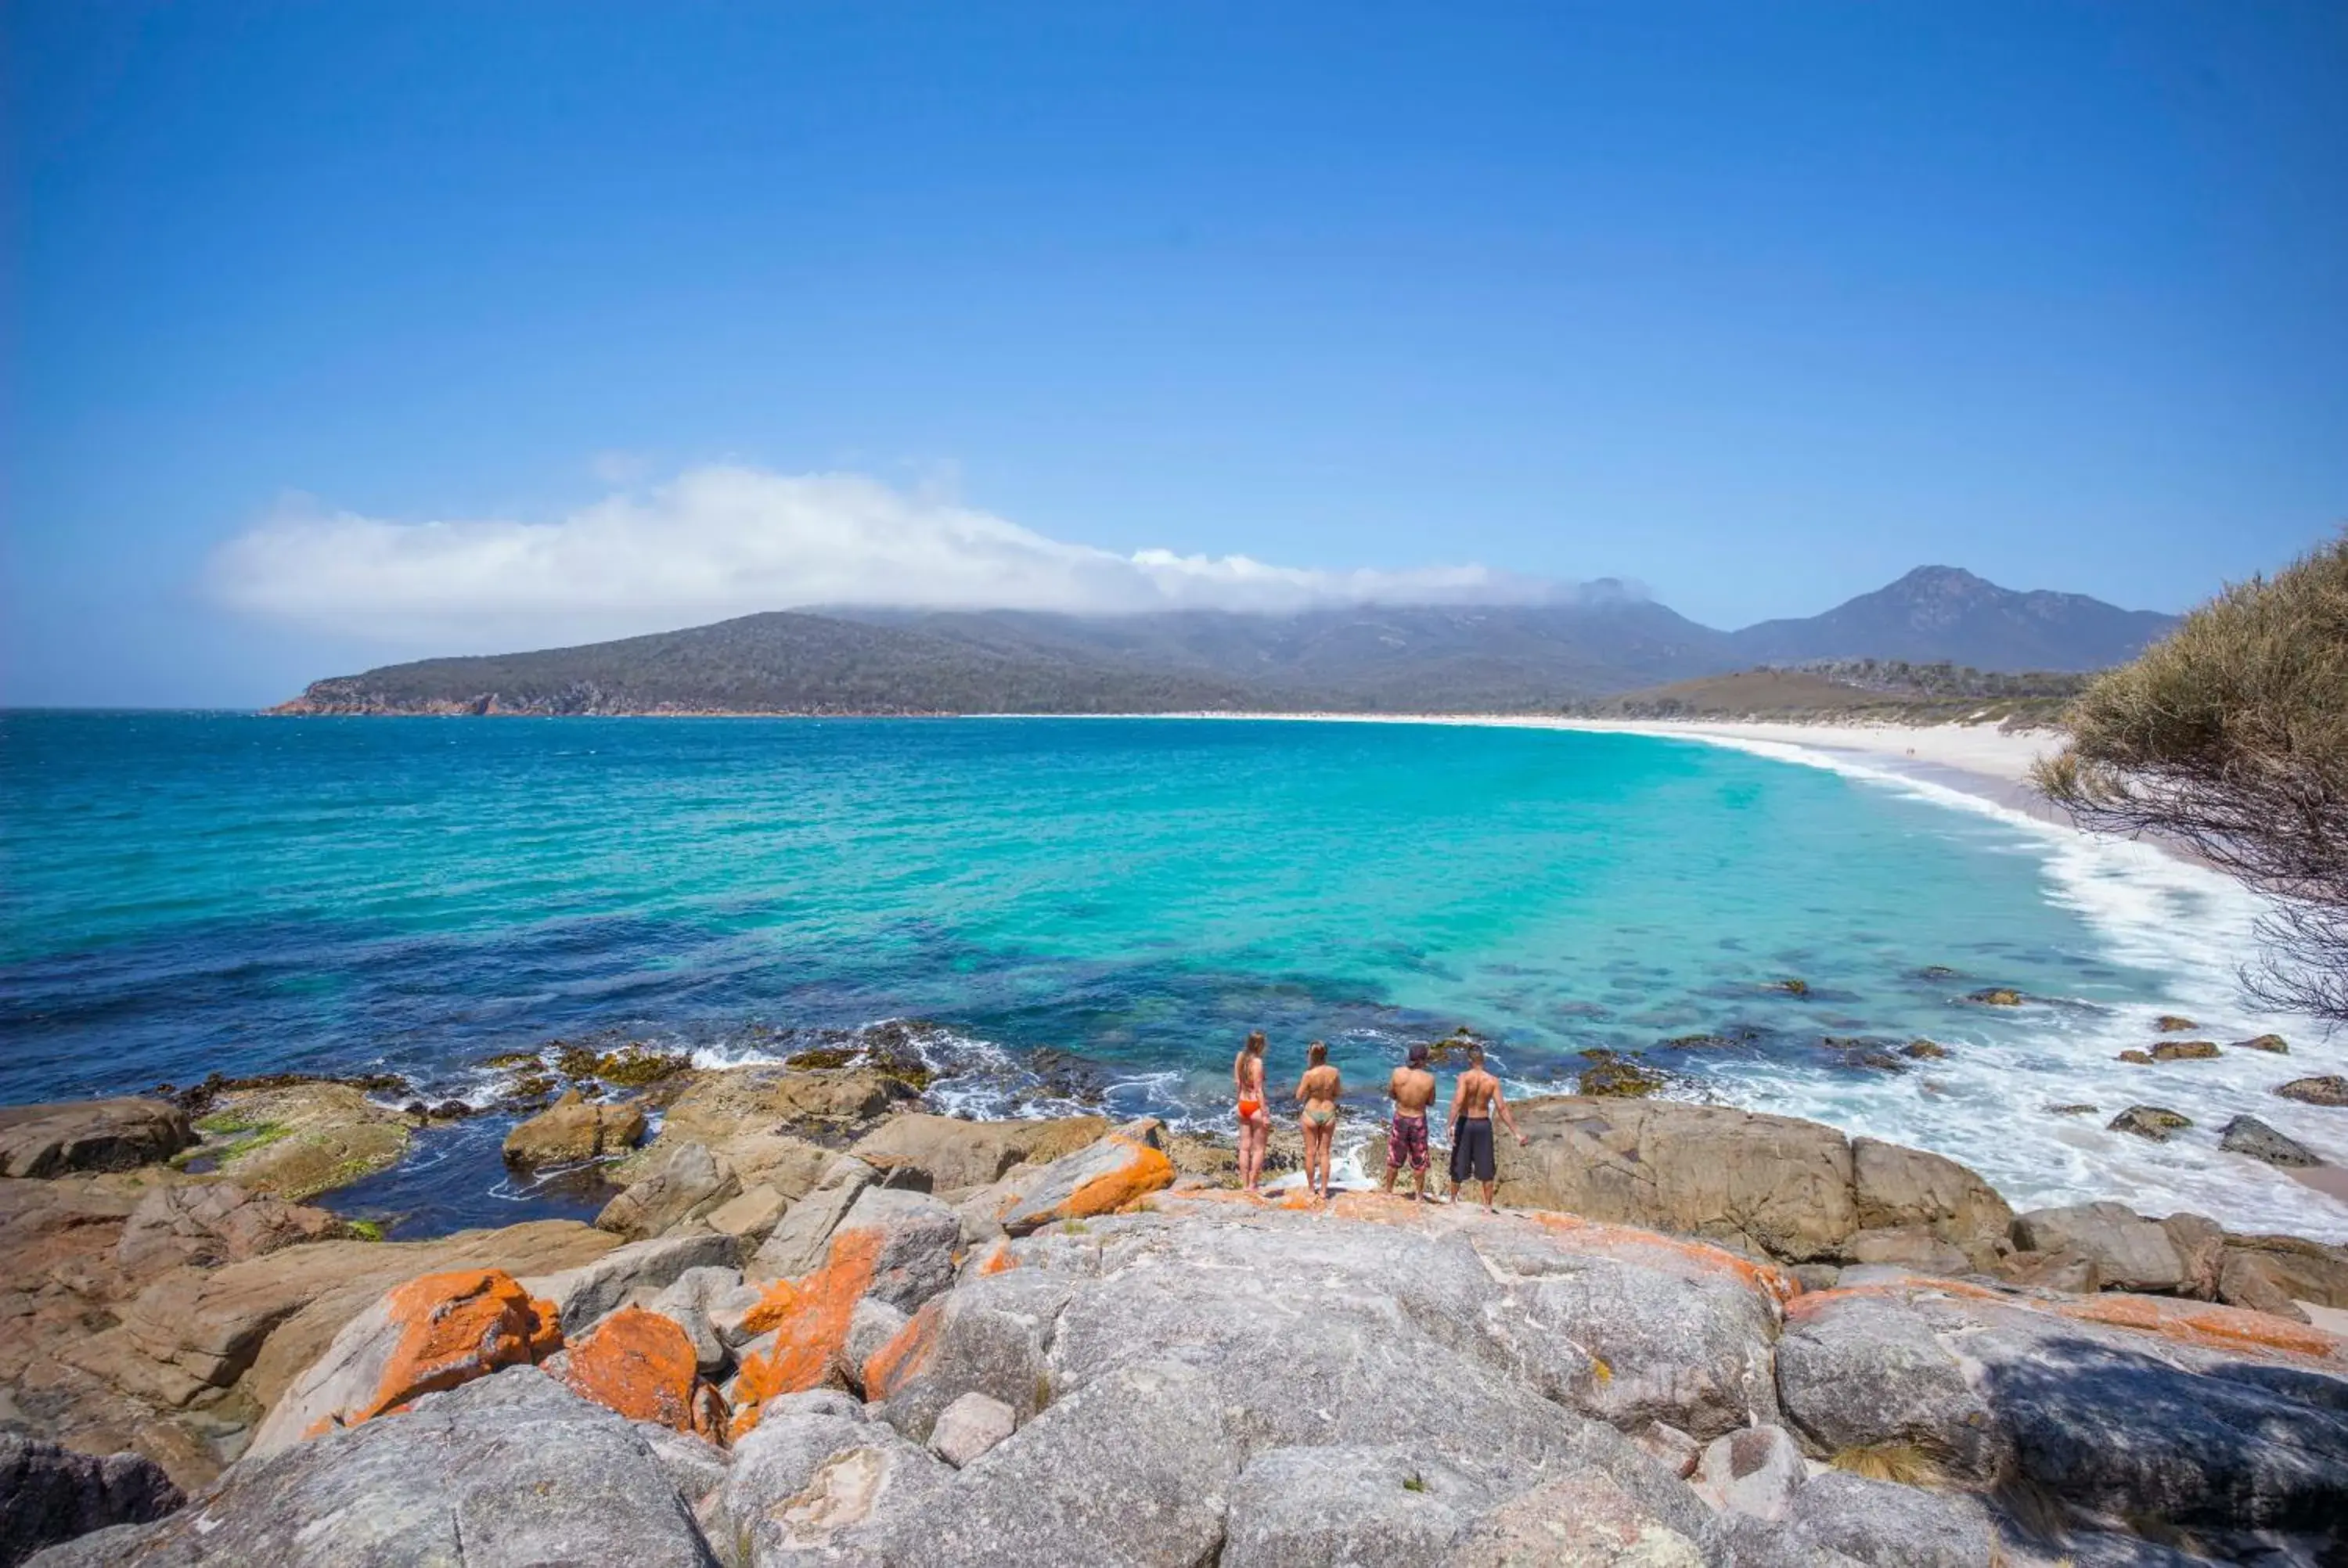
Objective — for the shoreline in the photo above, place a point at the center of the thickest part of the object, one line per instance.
(1983, 761)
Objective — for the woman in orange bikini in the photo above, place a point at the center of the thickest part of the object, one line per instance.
(1318, 1089)
(1255, 1126)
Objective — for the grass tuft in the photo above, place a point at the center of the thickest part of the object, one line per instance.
(1903, 1463)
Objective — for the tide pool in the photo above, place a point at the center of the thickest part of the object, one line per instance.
(190, 893)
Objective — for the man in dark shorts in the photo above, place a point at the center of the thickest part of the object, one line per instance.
(1474, 1103)
(1413, 1090)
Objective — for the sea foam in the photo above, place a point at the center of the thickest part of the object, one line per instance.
(2151, 910)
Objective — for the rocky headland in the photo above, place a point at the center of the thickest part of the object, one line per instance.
(821, 1324)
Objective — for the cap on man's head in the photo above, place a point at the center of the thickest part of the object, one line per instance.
(1418, 1054)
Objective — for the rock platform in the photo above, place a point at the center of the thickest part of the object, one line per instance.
(821, 1327)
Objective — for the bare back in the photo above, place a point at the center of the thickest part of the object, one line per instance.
(1477, 1090)
(1320, 1086)
(1412, 1090)
(1247, 1074)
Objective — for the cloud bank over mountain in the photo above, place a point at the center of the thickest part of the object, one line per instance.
(724, 540)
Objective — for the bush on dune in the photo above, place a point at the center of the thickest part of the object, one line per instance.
(2230, 737)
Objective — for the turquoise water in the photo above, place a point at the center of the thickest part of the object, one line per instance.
(193, 892)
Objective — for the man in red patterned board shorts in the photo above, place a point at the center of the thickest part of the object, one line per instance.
(1412, 1089)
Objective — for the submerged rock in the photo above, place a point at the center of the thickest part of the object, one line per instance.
(2273, 1044)
(2185, 1050)
(1996, 997)
(2151, 1122)
(1615, 1078)
(2248, 1135)
(2329, 1089)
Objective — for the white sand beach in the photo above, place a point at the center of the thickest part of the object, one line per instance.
(1979, 760)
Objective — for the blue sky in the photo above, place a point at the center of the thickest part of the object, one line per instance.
(662, 312)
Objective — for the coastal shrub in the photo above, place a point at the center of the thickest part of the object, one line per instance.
(2231, 738)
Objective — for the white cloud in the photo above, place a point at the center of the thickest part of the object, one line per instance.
(729, 540)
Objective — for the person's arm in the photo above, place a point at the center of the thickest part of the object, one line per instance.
(1500, 1109)
(1299, 1084)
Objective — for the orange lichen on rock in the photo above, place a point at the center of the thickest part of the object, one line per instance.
(2207, 1325)
(1810, 1302)
(907, 1352)
(999, 1259)
(455, 1327)
(773, 1309)
(1765, 1278)
(810, 1327)
(642, 1364)
(1145, 1170)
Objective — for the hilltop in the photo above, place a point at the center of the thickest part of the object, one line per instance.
(1597, 642)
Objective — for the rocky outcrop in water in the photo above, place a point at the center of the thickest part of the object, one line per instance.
(572, 1130)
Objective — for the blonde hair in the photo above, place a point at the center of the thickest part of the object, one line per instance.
(1255, 1043)
(1317, 1054)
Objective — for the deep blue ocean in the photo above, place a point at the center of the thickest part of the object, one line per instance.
(182, 894)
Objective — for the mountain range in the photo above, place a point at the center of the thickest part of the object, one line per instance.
(1599, 641)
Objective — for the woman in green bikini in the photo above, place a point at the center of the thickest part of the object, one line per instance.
(1318, 1089)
